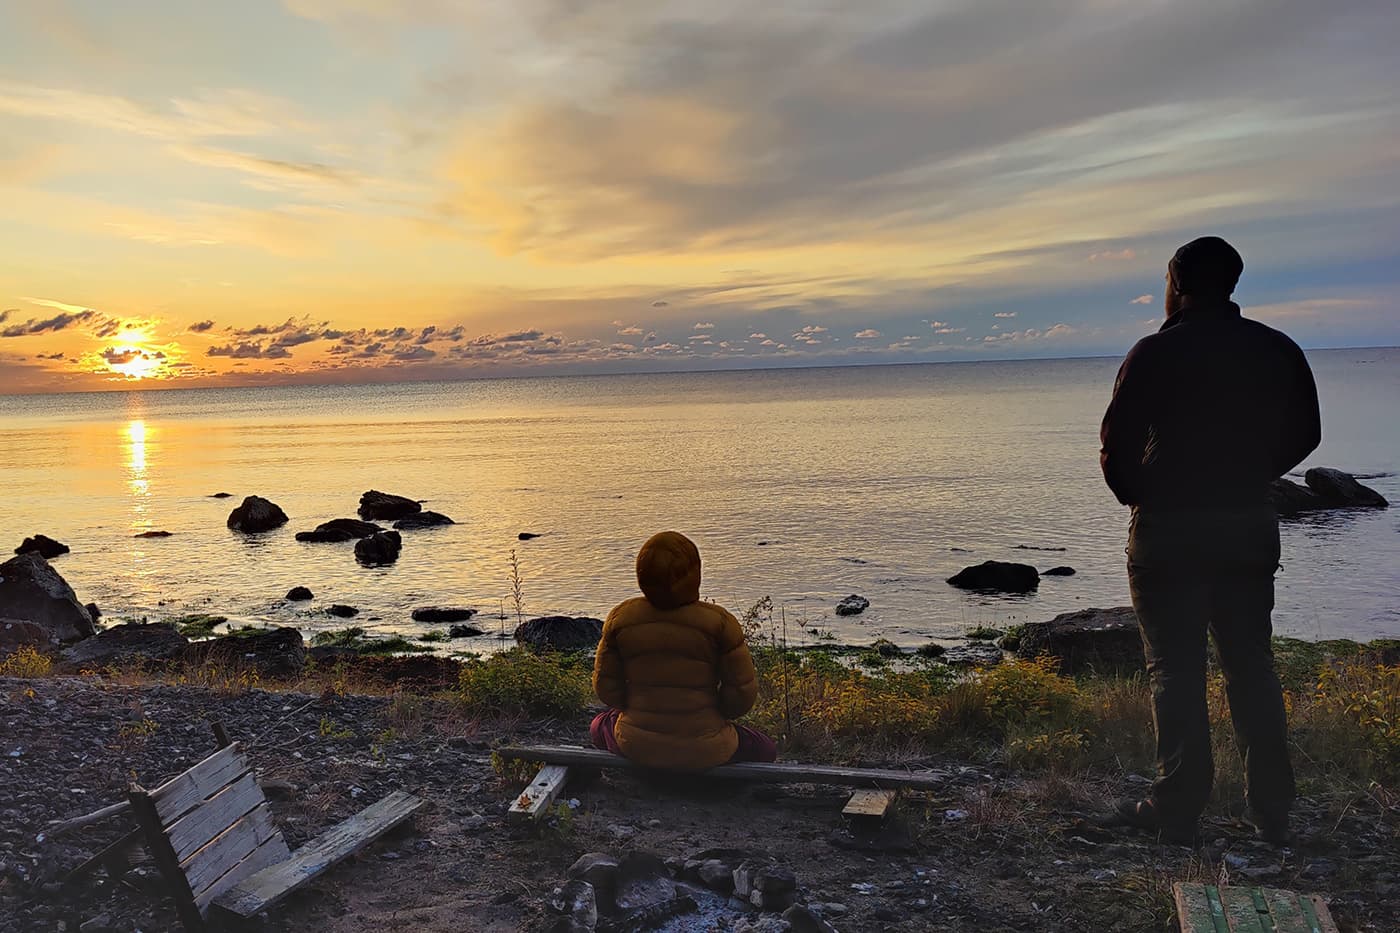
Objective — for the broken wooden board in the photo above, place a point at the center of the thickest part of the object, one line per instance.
(1205, 908)
(536, 799)
(268, 887)
(869, 804)
(781, 772)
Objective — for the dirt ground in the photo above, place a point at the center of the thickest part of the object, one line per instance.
(989, 852)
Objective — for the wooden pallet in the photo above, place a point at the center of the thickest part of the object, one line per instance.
(536, 800)
(1205, 908)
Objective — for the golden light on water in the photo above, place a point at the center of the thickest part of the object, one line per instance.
(136, 457)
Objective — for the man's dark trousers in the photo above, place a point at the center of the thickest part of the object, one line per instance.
(1211, 569)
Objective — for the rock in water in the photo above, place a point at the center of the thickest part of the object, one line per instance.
(464, 631)
(442, 614)
(32, 591)
(560, 633)
(998, 576)
(852, 605)
(152, 534)
(1341, 490)
(43, 545)
(275, 652)
(342, 611)
(1099, 640)
(1059, 572)
(381, 505)
(526, 536)
(255, 515)
(340, 529)
(299, 594)
(221, 495)
(423, 520)
(381, 548)
(122, 644)
(1290, 498)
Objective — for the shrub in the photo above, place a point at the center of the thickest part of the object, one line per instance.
(1362, 701)
(520, 682)
(26, 662)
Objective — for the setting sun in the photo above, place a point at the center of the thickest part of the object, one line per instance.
(134, 362)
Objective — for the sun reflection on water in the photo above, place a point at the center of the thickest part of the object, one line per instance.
(136, 468)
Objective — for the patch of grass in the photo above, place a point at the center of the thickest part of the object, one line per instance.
(984, 633)
(198, 625)
(1012, 639)
(355, 637)
(519, 682)
(26, 662)
(436, 635)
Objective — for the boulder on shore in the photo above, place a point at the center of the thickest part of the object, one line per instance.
(340, 529)
(997, 576)
(43, 545)
(380, 548)
(298, 594)
(442, 614)
(977, 654)
(274, 652)
(382, 505)
(19, 633)
(123, 644)
(423, 520)
(256, 515)
(1342, 491)
(852, 605)
(32, 591)
(560, 633)
(1099, 640)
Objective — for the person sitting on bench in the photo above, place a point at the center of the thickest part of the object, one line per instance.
(674, 671)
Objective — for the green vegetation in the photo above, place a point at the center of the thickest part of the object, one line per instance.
(984, 633)
(26, 662)
(354, 637)
(519, 681)
(436, 635)
(198, 625)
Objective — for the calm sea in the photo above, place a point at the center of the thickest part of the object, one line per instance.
(803, 485)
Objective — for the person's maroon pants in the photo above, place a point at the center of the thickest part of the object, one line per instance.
(753, 745)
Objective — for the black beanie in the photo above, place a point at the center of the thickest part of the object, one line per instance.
(1207, 267)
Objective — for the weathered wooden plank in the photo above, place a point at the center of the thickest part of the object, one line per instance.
(269, 853)
(186, 791)
(149, 820)
(1315, 910)
(1241, 912)
(1285, 911)
(776, 773)
(204, 823)
(536, 799)
(867, 803)
(59, 827)
(1198, 909)
(265, 889)
(235, 844)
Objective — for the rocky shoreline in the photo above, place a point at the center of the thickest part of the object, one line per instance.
(992, 850)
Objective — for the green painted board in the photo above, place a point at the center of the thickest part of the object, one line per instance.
(1204, 908)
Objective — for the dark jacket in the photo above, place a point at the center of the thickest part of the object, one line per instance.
(1207, 412)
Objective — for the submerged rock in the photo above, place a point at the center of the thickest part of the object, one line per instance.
(442, 614)
(526, 536)
(340, 529)
(274, 652)
(997, 576)
(560, 633)
(464, 631)
(152, 534)
(341, 611)
(299, 594)
(32, 591)
(1058, 572)
(382, 505)
(255, 515)
(122, 644)
(852, 605)
(42, 545)
(1100, 640)
(381, 548)
(222, 495)
(423, 520)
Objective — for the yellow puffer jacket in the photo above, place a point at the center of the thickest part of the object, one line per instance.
(677, 668)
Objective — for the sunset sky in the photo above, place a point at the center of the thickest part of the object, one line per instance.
(362, 190)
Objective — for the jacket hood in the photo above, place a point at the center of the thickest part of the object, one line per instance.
(668, 570)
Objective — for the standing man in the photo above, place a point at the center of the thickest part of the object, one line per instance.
(1206, 413)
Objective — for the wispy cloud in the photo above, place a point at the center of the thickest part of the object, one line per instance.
(1142, 300)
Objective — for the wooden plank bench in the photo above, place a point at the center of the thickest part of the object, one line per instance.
(1205, 908)
(211, 834)
(556, 759)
